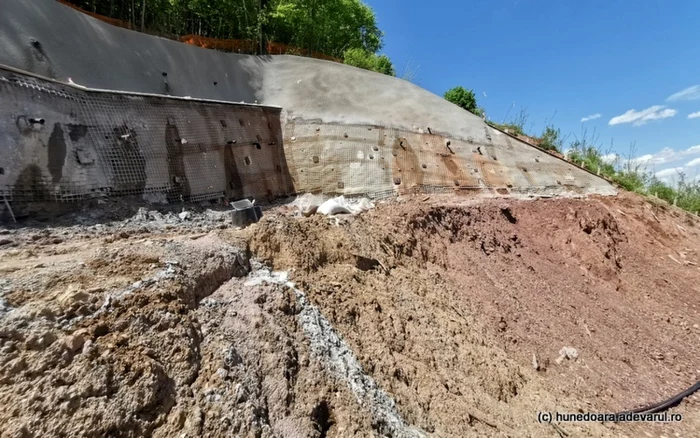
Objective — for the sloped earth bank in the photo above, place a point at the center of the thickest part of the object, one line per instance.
(424, 317)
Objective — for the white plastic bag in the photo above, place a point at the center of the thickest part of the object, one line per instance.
(361, 205)
(335, 206)
(307, 204)
(340, 205)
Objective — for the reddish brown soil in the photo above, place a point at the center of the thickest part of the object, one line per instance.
(419, 288)
(443, 301)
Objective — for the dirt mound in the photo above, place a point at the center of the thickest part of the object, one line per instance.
(439, 317)
(447, 305)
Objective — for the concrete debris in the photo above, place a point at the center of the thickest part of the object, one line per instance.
(155, 198)
(565, 353)
(168, 272)
(338, 357)
(184, 215)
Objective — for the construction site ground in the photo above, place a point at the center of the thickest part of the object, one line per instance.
(430, 315)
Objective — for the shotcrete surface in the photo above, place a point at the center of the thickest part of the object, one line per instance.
(98, 55)
(329, 96)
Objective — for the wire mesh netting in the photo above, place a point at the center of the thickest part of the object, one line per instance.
(375, 161)
(66, 143)
(61, 143)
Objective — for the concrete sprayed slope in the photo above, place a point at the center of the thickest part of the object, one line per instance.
(53, 40)
(50, 39)
(346, 130)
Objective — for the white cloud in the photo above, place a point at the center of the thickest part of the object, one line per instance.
(694, 115)
(662, 174)
(672, 162)
(666, 156)
(690, 93)
(591, 117)
(693, 163)
(638, 118)
(610, 158)
(673, 175)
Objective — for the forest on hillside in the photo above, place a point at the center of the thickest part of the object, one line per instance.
(329, 26)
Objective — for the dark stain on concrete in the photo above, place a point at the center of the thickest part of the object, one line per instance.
(32, 185)
(56, 153)
(234, 184)
(76, 132)
(127, 162)
(458, 176)
(38, 50)
(38, 60)
(406, 165)
(451, 166)
(176, 165)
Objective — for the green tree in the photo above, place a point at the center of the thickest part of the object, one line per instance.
(327, 26)
(384, 65)
(369, 61)
(465, 99)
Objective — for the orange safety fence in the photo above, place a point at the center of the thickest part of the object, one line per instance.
(237, 46)
(110, 20)
(251, 47)
(282, 49)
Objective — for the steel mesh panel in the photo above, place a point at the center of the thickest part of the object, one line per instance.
(334, 159)
(62, 144)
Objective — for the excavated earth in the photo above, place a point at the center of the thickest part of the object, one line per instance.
(428, 316)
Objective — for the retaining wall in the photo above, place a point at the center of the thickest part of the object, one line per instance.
(63, 143)
(344, 130)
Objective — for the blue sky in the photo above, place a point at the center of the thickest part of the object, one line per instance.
(633, 64)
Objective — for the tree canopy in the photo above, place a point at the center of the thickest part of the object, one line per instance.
(328, 26)
(465, 99)
(331, 27)
(370, 61)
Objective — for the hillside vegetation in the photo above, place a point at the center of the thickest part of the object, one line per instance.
(344, 29)
(628, 173)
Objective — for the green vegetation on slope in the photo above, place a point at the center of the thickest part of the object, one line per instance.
(634, 177)
(369, 61)
(464, 99)
(629, 174)
(333, 27)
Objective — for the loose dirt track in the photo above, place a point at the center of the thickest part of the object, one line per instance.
(152, 326)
